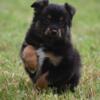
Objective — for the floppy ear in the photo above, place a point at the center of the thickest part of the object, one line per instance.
(39, 4)
(70, 9)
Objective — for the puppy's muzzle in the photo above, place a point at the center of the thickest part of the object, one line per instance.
(54, 32)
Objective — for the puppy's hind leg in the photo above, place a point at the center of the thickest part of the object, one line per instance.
(74, 82)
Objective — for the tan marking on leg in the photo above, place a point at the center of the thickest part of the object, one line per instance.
(42, 82)
(30, 58)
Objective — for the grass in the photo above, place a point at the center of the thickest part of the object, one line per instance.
(15, 18)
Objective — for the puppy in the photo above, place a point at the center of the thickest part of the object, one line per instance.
(47, 51)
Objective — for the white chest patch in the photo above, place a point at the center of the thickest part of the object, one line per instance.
(42, 55)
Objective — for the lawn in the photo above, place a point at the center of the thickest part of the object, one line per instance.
(15, 18)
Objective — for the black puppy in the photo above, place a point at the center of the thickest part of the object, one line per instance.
(47, 52)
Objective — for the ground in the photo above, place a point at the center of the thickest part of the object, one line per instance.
(15, 18)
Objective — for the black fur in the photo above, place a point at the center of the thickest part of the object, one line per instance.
(55, 17)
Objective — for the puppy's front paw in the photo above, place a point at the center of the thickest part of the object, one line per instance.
(30, 58)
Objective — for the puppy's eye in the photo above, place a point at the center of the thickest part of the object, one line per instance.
(49, 17)
(61, 18)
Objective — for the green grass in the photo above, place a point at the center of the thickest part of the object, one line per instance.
(15, 18)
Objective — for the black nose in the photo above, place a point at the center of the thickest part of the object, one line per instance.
(54, 29)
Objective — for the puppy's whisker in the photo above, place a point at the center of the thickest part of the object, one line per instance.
(47, 30)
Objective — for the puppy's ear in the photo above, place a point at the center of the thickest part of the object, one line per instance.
(70, 9)
(39, 4)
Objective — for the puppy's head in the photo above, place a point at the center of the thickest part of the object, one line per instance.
(53, 20)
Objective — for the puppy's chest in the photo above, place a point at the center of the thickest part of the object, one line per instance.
(42, 55)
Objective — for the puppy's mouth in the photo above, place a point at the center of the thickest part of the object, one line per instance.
(53, 33)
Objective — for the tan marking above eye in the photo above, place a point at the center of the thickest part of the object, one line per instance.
(61, 18)
(49, 16)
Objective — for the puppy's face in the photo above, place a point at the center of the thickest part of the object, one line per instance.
(53, 21)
